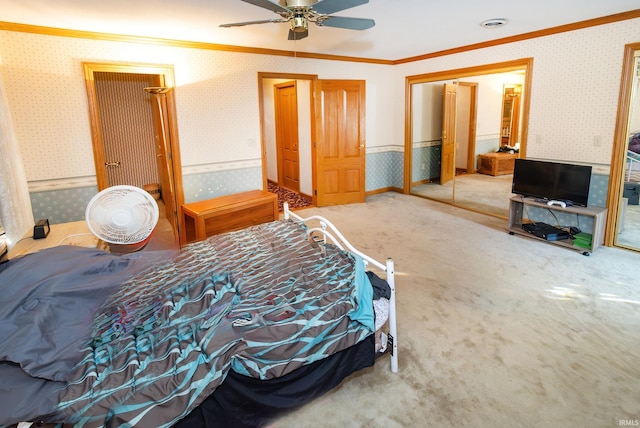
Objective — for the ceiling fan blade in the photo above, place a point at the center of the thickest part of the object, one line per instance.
(348, 23)
(273, 7)
(264, 21)
(298, 35)
(327, 7)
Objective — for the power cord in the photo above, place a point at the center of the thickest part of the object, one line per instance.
(74, 235)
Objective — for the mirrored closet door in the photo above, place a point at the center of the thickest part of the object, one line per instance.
(628, 220)
(464, 129)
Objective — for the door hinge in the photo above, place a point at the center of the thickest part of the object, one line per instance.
(315, 192)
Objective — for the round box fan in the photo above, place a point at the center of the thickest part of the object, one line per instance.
(123, 216)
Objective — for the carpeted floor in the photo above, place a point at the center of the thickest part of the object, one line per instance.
(494, 330)
(485, 193)
(295, 200)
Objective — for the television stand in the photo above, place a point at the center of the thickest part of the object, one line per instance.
(598, 214)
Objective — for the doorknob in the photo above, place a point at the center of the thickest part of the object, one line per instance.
(112, 164)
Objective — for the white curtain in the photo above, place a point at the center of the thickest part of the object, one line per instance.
(16, 215)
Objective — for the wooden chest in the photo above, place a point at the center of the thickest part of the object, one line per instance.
(496, 163)
(228, 213)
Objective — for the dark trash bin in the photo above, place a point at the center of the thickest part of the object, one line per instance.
(632, 192)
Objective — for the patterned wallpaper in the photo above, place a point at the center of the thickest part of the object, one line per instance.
(216, 98)
(576, 80)
(384, 171)
(198, 187)
(425, 161)
(574, 101)
(62, 206)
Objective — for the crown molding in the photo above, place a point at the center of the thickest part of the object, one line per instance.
(51, 31)
(526, 36)
(61, 32)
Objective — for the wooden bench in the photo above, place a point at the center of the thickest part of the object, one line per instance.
(496, 163)
(228, 213)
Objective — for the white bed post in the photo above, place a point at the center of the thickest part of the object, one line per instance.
(392, 316)
(341, 242)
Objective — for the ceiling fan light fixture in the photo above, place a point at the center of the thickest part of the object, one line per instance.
(494, 23)
(299, 24)
(298, 13)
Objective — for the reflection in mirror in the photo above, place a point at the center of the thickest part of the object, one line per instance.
(467, 112)
(426, 133)
(629, 215)
(510, 119)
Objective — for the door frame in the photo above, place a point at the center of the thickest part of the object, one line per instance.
(619, 151)
(314, 85)
(448, 134)
(165, 76)
(312, 78)
(473, 118)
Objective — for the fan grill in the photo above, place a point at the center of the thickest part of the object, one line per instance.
(122, 215)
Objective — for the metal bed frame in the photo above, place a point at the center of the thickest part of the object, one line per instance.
(328, 230)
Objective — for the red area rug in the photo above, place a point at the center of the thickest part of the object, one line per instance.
(295, 200)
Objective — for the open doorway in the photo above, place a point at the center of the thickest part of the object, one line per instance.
(127, 133)
(134, 132)
(334, 138)
(285, 102)
(466, 127)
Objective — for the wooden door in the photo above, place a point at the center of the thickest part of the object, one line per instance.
(515, 122)
(164, 157)
(286, 111)
(447, 152)
(340, 141)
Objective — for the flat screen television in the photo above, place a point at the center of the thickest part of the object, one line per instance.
(552, 181)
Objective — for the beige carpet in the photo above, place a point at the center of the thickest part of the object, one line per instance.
(630, 230)
(480, 192)
(494, 330)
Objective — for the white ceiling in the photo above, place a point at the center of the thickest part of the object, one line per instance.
(404, 28)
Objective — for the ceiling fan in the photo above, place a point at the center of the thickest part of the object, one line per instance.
(298, 13)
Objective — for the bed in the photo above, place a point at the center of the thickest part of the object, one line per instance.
(230, 331)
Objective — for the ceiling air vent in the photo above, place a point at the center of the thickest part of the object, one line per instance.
(494, 23)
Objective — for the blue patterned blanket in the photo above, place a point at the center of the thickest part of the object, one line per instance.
(263, 301)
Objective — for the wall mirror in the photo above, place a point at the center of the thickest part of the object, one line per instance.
(464, 129)
(626, 160)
